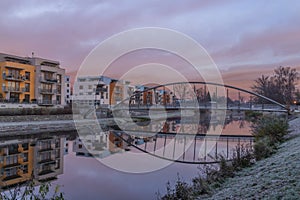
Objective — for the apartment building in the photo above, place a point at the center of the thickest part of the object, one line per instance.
(17, 79)
(119, 91)
(22, 160)
(50, 82)
(48, 154)
(91, 90)
(31, 80)
(15, 163)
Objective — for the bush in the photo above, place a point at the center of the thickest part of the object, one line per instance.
(263, 148)
(242, 157)
(273, 128)
(268, 133)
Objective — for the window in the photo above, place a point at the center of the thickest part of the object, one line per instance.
(48, 76)
(10, 160)
(45, 156)
(25, 146)
(25, 169)
(11, 171)
(27, 76)
(27, 87)
(46, 144)
(58, 89)
(68, 85)
(57, 143)
(68, 90)
(81, 87)
(58, 78)
(68, 96)
(58, 99)
(25, 157)
(57, 153)
(90, 87)
(26, 98)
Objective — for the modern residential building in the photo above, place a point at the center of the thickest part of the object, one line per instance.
(31, 80)
(68, 91)
(48, 154)
(17, 79)
(119, 90)
(24, 159)
(50, 82)
(15, 163)
(99, 145)
(91, 90)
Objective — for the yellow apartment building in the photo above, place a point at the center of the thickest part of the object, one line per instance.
(17, 79)
(16, 164)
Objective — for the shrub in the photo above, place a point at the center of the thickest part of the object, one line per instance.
(263, 148)
(242, 157)
(273, 128)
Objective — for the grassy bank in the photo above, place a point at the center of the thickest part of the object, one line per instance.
(268, 171)
(276, 177)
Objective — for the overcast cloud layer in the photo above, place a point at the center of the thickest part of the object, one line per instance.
(235, 33)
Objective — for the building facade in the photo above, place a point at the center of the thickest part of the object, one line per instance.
(31, 80)
(17, 79)
(50, 82)
(25, 159)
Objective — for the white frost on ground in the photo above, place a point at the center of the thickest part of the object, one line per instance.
(277, 177)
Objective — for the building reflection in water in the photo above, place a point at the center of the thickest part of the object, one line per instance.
(40, 159)
(100, 145)
(206, 145)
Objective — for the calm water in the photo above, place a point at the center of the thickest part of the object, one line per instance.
(66, 158)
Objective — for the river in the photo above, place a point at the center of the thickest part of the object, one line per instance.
(120, 170)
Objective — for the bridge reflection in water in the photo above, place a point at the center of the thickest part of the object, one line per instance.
(172, 139)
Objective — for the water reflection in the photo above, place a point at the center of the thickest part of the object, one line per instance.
(39, 158)
(67, 158)
(172, 142)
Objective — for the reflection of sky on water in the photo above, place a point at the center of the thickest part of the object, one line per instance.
(86, 178)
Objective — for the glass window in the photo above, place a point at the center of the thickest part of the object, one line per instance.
(27, 76)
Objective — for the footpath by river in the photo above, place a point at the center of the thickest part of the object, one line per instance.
(277, 177)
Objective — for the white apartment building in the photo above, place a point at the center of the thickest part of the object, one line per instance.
(91, 90)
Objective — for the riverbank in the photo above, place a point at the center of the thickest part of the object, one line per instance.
(30, 118)
(276, 177)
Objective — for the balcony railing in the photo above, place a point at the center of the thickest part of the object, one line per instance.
(11, 89)
(48, 79)
(14, 77)
(47, 91)
(47, 102)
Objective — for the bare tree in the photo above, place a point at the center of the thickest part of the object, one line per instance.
(279, 87)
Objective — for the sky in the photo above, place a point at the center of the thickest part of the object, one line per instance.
(238, 35)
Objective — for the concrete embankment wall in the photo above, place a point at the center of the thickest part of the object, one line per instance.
(31, 124)
(26, 118)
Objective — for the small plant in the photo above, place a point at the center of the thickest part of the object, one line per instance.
(30, 191)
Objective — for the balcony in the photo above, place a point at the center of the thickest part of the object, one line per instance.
(14, 77)
(47, 91)
(48, 79)
(47, 102)
(12, 89)
(47, 161)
